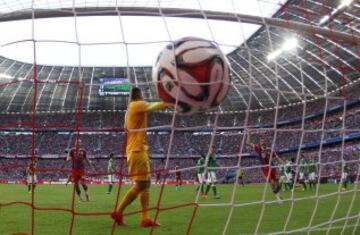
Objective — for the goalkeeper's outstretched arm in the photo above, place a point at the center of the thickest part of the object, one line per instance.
(156, 106)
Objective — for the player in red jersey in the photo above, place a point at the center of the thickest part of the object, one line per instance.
(78, 156)
(267, 157)
(177, 178)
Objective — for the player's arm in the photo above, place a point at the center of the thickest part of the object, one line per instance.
(68, 156)
(248, 140)
(142, 107)
(156, 106)
(89, 163)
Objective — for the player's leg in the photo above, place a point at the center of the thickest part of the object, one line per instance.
(275, 186)
(344, 182)
(68, 180)
(34, 183)
(302, 181)
(242, 181)
(312, 180)
(129, 197)
(110, 186)
(208, 184)
(77, 190)
(85, 187)
(274, 183)
(176, 184)
(201, 180)
(28, 184)
(144, 201)
(282, 183)
(289, 181)
(212, 184)
(139, 172)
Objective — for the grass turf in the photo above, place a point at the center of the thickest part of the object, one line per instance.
(210, 218)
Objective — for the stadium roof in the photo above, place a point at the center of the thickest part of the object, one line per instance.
(277, 65)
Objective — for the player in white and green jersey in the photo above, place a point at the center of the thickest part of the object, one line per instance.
(312, 173)
(303, 165)
(111, 172)
(211, 175)
(200, 172)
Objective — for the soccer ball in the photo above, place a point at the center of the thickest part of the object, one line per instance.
(194, 72)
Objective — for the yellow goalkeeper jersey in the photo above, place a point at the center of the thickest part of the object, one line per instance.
(136, 122)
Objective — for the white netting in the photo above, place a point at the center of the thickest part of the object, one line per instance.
(301, 95)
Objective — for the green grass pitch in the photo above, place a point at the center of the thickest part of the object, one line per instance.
(209, 220)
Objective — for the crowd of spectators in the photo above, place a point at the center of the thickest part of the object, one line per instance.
(101, 134)
(330, 161)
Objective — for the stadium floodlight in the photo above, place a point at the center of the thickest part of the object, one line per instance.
(290, 44)
(6, 76)
(287, 46)
(344, 3)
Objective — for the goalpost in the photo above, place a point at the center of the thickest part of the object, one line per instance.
(312, 75)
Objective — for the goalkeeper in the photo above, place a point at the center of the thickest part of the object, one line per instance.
(136, 122)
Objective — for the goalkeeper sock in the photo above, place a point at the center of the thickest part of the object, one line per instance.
(144, 201)
(128, 198)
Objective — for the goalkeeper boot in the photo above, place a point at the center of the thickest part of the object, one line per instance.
(217, 196)
(117, 218)
(148, 223)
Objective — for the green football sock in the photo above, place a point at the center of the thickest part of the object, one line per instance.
(110, 188)
(207, 189)
(214, 190)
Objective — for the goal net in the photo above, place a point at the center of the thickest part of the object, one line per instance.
(66, 72)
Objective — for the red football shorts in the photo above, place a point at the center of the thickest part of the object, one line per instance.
(269, 173)
(78, 175)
